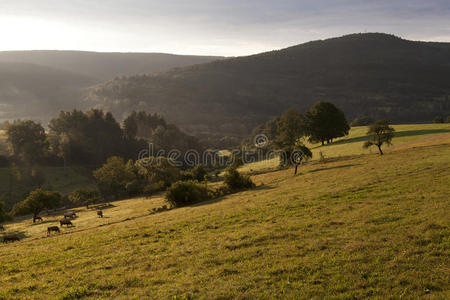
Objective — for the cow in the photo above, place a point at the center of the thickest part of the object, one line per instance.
(2, 228)
(52, 228)
(70, 214)
(10, 238)
(37, 218)
(100, 213)
(65, 222)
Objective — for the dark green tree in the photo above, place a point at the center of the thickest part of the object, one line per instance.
(379, 133)
(326, 122)
(28, 141)
(37, 201)
(291, 127)
(2, 211)
(113, 176)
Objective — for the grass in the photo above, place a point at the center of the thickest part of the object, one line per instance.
(357, 227)
(405, 136)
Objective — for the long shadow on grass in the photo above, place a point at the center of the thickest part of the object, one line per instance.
(215, 200)
(336, 167)
(397, 134)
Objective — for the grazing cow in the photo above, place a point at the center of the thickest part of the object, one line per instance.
(52, 228)
(2, 228)
(70, 214)
(100, 213)
(37, 219)
(65, 222)
(10, 238)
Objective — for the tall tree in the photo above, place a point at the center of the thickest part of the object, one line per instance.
(291, 127)
(326, 122)
(28, 141)
(379, 133)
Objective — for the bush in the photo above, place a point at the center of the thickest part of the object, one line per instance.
(197, 173)
(234, 180)
(438, 120)
(362, 121)
(186, 192)
(84, 197)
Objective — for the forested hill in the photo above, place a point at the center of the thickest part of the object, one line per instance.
(104, 65)
(38, 84)
(373, 74)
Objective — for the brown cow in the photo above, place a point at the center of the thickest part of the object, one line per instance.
(10, 238)
(100, 213)
(65, 222)
(37, 218)
(52, 228)
(70, 214)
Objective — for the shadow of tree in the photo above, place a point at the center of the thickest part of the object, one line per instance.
(336, 167)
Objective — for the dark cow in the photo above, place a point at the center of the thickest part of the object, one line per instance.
(52, 229)
(65, 222)
(10, 238)
(70, 214)
(37, 218)
(100, 213)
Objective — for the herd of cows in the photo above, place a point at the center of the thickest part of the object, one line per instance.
(67, 220)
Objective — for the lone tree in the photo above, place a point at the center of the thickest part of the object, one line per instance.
(301, 153)
(326, 122)
(37, 201)
(379, 133)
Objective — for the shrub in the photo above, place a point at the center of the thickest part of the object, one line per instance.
(84, 197)
(438, 120)
(196, 173)
(186, 192)
(234, 180)
(362, 121)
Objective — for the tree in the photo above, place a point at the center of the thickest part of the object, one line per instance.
(84, 197)
(291, 127)
(113, 176)
(27, 140)
(37, 201)
(2, 211)
(379, 133)
(301, 153)
(326, 122)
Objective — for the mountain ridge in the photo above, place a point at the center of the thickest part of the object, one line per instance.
(365, 74)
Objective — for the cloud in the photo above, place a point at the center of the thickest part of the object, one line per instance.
(227, 27)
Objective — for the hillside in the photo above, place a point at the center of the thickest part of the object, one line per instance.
(38, 84)
(104, 65)
(353, 228)
(29, 91)
(378, 75)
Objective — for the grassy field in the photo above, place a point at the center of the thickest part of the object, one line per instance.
(405, 136)
(351, 228)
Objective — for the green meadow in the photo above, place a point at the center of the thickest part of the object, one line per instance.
(355, 225)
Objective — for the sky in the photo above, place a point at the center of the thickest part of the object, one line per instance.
(210, 27)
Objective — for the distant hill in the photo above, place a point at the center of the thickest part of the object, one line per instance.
(373, 74)
(38, 84)
(104, 65)
(36, 92)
